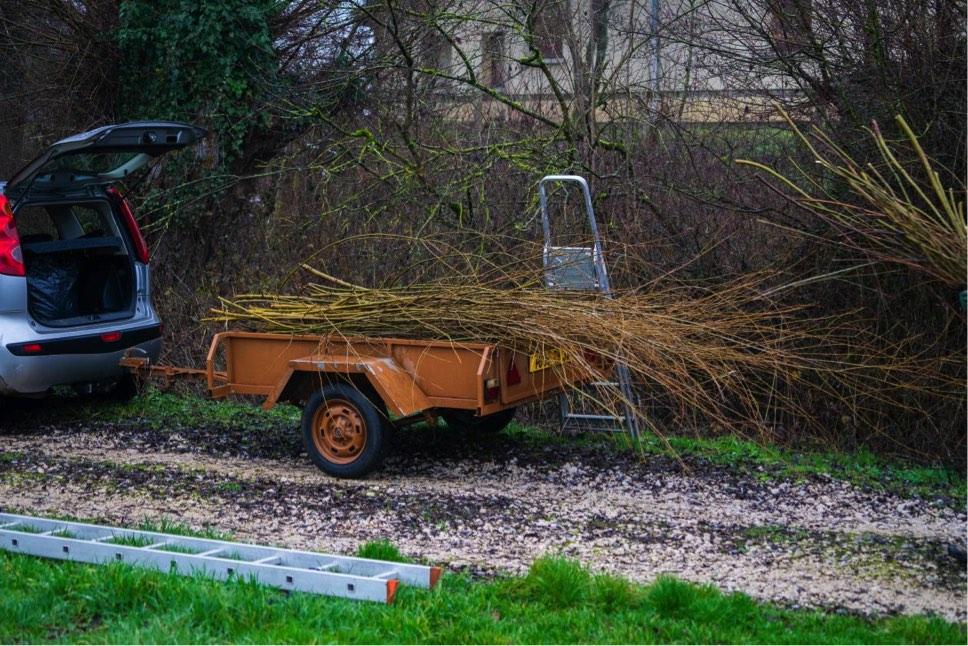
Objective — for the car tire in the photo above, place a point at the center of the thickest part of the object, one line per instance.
(466, 420)
(343, 432)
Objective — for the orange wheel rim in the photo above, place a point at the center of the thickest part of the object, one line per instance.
(339, 431)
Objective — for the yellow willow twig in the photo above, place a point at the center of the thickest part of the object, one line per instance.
(888, 213)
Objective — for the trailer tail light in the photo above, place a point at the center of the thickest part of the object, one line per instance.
(492, 389)
(138, 240)
(111, 337)
(11, 256)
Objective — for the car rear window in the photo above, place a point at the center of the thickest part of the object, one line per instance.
(89, 164)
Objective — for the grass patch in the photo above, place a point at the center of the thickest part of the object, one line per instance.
(130, 541)
(382, 551)
(168, 526)
(180, 549)
(162, 410)
(10, 457)
(558, 601)
(230, 487)
(176, 549)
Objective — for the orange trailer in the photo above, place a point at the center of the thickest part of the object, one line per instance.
(354, 390)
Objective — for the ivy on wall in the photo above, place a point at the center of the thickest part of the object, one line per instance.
(201, 61)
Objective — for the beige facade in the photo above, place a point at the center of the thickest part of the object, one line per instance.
(486, 59)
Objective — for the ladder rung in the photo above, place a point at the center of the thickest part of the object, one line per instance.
(155, 546)
(212, 552)
(595, 429)
(594, 423)
(269, 560)
(385, 575)
(13, 524)
(327, 567)
(101, 539)
(620, 418)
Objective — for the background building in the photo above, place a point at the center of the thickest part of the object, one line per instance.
(614, 59)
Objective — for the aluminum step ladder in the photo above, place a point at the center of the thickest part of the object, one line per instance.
(583, 268)
(327, 574)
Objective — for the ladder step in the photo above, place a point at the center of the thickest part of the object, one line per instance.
(595, 429)
(329, 574)
(620, 418)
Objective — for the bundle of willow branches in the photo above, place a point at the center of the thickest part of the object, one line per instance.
(894, 211)
(728, 355)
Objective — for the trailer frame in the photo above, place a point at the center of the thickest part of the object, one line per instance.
(473, 385)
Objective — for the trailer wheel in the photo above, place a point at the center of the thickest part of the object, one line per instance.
(343, 432)
(466, 420)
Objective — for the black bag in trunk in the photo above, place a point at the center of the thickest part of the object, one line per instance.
(52, 286)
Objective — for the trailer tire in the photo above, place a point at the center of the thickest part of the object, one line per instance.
(343, 432)
(466, 420)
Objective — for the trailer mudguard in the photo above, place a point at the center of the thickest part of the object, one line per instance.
(395, 386)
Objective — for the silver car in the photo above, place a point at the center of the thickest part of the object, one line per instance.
(75, 289)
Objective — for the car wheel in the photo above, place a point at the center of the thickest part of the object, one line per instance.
(343, 432)
(466, 420)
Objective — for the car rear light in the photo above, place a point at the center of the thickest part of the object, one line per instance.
(111, 337)
(138, 240)
(11, 256)
(32, 348)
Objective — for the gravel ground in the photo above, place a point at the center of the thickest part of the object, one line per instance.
(494, 505)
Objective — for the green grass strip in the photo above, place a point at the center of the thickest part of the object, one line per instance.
(558, 601)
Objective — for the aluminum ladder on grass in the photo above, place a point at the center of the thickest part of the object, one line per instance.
(328, 574)
(583, 268)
